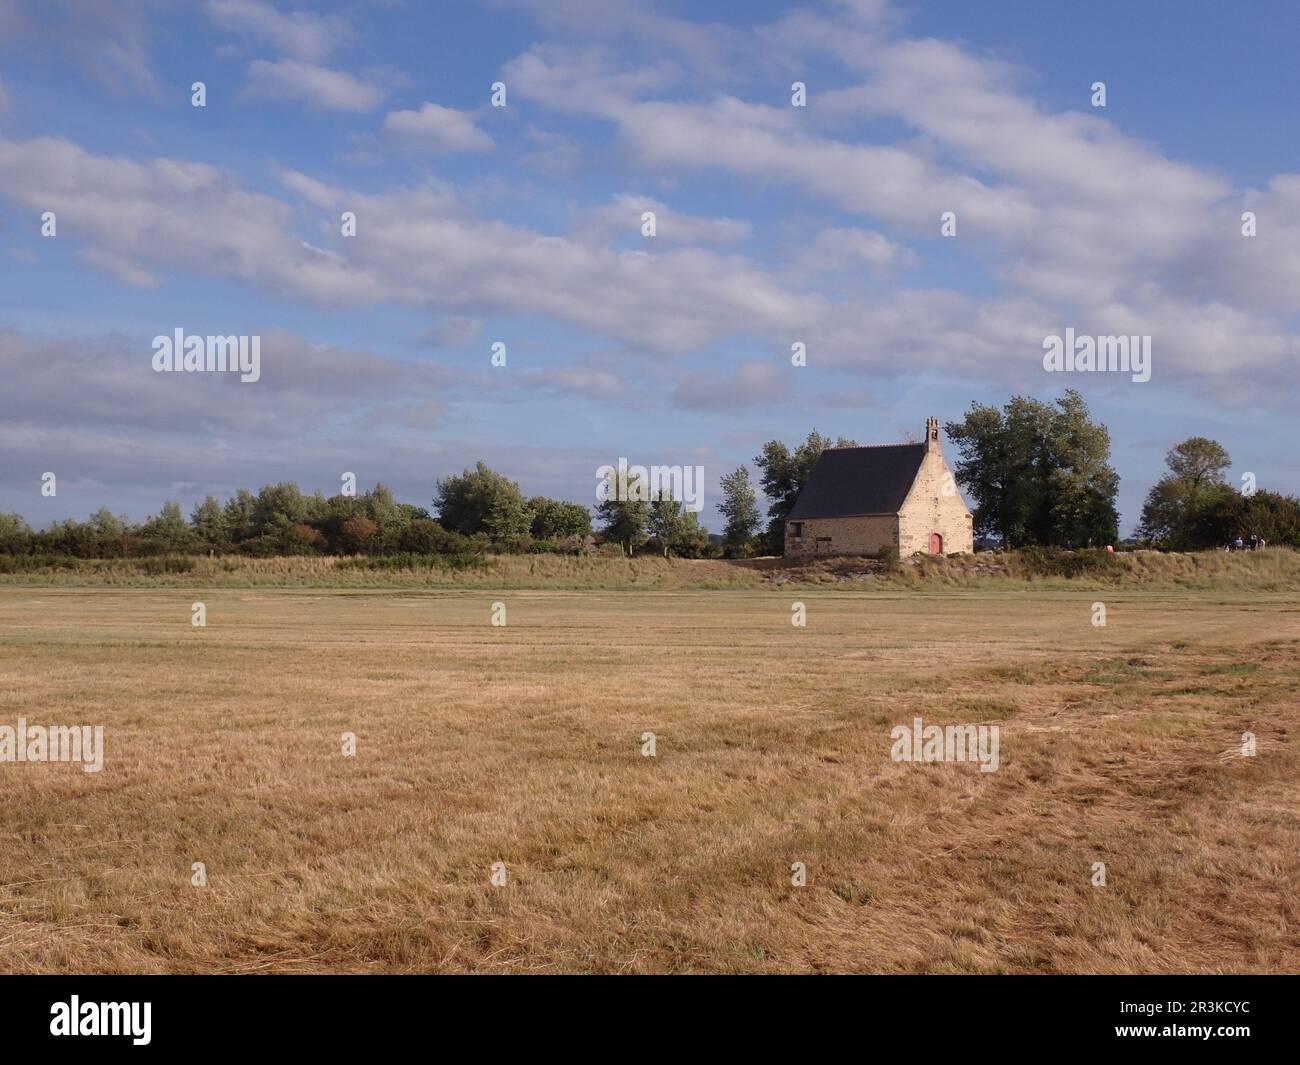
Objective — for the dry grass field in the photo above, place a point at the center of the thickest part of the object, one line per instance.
(522, 744)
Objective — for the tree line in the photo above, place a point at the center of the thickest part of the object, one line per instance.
(1039, 474)
(472, 513)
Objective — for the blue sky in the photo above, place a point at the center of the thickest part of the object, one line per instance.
(522, 225)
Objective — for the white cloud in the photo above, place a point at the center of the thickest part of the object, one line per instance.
(123, 269)
(1067, 213)
(302, 34)
(621, 218)
(850, 248)
(438, 128)
(1074, 222)
(316, 86)
(426, 248)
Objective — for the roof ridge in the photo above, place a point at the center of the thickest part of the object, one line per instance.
(864, 447)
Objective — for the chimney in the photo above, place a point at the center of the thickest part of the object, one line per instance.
(932, 434)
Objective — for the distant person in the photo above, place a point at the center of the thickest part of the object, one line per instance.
(1237, 544)
(1254, 542)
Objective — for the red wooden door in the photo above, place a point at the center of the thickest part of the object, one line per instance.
(936, 544)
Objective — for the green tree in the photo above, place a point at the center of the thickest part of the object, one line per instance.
(107, 526)
(240, 514)
(1081, 485)
(624, 522)
(169, 529)
(555, 519)
(666, 522)
(465, 502)
(510, 521)
(75, 538)
(1039, 472)
(1191, 507)
(209, 522)
(1273, 516)
(688, 538)
(381, 507)
(739, 507)
(15, 534)
(278, 506)
(783, 476)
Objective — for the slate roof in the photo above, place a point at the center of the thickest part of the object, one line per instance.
(848, 481)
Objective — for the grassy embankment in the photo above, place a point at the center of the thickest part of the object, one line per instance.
(1277, 569)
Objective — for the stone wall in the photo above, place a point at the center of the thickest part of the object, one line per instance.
(928, 510)
(863, 535)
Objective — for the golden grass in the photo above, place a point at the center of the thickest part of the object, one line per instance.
(522, 744)
(492, 571)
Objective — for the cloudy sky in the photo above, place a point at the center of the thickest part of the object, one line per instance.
(522, 225)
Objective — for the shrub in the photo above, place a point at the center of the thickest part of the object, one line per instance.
(358, 532)
(156, 567)
(302, 539)
(1056, 562)
(458, 560)
(260, 547)
(424, 537)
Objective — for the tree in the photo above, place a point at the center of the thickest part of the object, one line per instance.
(1198, 461)
(1039, 472)
(75, 538)
(240, 516)
(1082, 485)
(739, 507)
(277, 507)
(510, 520)
(209, 522)
(784, 474)
(1273, 516)
(302, 539)
(689, 538)
(107, 526)
(169, 528)
(426, 537)
(382, 508)
(625, 522)
(358, 531)
(465, 503)
(677, 529)
(555, 519)
(1192, 507)
(15, 534)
